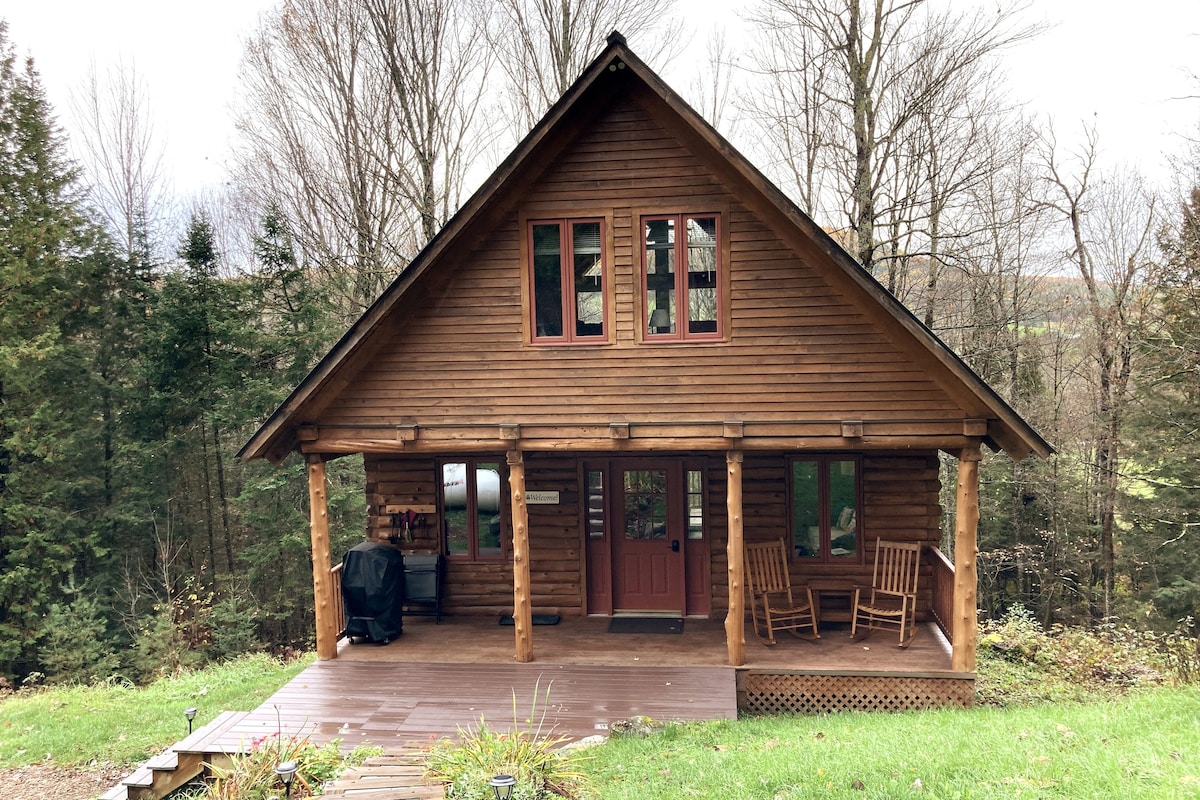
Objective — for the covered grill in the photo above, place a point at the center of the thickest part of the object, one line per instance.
(373, 592)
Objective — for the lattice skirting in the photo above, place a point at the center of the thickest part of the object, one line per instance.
(780, 693)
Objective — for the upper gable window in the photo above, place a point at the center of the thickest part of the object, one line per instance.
(567, 280)
(682, 277)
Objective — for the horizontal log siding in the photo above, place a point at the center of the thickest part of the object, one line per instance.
(554, 538)
(900, 503)
(796, 349)
(900, 496)
(555, 541)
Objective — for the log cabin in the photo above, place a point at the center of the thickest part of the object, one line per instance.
(627, 356)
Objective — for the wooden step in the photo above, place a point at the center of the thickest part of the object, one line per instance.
(197, 741)
(167, 759)
(142, 776)
(394, 777)
(118, 792)
(162, 774)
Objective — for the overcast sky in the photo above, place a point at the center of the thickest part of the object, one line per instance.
(1124, 63)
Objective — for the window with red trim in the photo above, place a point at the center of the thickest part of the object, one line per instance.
(682, 280)
(825, 495)
(473, 509)
(567, 281)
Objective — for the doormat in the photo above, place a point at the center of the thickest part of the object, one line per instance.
(645, 625)
(538, 619)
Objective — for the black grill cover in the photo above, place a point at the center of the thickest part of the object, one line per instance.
(373, 591)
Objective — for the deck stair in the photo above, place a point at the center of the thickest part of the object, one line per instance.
(176, 765)
(388, 777)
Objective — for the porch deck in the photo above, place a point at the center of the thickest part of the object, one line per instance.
(403, 707)
(436, 679)
(586, 641)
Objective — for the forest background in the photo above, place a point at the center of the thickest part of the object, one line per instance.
(144, 336)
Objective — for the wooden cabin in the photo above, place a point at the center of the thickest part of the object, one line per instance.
(627, 356)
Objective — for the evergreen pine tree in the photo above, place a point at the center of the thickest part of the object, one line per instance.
(54, 265)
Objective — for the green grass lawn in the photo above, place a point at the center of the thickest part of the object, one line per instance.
(1145, 745)
(1099, 744)
(117, 723)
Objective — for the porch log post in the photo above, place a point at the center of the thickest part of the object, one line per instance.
(965, 625)
(735, 623)
(522, 607)
(318, 526)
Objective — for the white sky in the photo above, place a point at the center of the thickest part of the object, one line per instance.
(1122, 62)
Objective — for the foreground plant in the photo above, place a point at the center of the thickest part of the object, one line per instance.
(533, 756)
(253, 776)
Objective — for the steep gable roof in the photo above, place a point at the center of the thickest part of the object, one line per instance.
(615, 70)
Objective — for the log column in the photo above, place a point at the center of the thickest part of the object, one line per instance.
(965, 626)
(318, 526)
(522, 607)
(735, 622)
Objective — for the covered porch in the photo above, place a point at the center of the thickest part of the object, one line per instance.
(720, 638)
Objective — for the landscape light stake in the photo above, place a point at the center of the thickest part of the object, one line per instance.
(190, 713)
(502, 785)
(287, 773)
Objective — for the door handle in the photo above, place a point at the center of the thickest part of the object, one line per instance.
(674, 545)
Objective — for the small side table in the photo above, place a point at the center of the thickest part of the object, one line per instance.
(832, 612)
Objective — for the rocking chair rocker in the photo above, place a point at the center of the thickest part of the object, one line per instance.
(772, 604)
(891, 600)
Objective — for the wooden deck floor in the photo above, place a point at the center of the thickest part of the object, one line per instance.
(585, 640)
(399, 706)
(436, 679)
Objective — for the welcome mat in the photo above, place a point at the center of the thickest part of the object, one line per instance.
(645, 625)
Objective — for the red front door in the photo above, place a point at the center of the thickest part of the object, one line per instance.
(648, 541)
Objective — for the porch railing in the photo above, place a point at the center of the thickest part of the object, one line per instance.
(943, 591)
(339, 611)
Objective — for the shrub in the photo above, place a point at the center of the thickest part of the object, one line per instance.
(534, 759)
(253, 777)
(1023, 662)
(75, 645)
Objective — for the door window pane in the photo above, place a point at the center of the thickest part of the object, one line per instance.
(595, 504)
(695, 504)
(645, 504)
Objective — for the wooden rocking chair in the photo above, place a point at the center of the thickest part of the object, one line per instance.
(772, 605)
(891, 600)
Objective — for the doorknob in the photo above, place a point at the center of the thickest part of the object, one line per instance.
(674, 545)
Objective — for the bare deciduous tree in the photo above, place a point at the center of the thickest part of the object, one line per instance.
(123, 161)
(709, 89)
(851, 85)
(430, 51)
(357, 120)
(1110, 220)
(543, 45)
